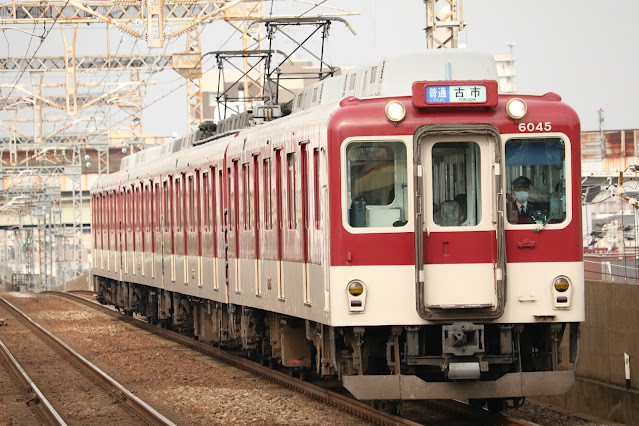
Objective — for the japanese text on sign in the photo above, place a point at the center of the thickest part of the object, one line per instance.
(455, 94)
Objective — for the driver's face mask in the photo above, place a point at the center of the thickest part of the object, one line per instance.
(521, 196)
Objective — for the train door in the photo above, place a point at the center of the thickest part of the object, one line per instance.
(197, 205)
(119, 231)
(233, 233)
(111, 219)
(279, 221)
(144, 225)
(256, 223)
(131, 232)
(125, 234)
(305, 220)
(460, 255)
(155, 225)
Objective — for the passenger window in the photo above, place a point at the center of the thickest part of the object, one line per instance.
(456, 184)
(377, 184)
(535, 180)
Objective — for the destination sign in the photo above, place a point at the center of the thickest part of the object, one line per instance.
(455, 94)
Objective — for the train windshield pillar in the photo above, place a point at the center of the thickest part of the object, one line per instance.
(535, 180)
(376, 184)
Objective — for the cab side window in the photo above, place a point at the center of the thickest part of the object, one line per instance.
(376, 180)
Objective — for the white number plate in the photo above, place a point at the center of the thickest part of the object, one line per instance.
(545, 126)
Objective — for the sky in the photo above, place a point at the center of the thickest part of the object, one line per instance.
(583, 50)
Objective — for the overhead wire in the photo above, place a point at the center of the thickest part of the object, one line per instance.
(42, 39)
(135, 46)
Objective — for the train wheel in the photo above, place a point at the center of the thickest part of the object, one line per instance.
(393, 407)
(305, 374)
(272, 363)
(252, 354)
(477, 404)
(496, 405)
(517, 402)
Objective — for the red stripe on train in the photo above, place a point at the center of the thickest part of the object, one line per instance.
(456, 248)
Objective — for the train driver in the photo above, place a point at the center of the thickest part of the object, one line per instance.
(520, 207)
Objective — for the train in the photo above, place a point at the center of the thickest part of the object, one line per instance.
(405, 229)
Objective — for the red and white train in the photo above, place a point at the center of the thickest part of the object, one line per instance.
(406, 229)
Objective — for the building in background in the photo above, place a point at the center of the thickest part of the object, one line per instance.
(609, 214)
(506, 72)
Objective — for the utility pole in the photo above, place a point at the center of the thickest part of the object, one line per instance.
(444, 21)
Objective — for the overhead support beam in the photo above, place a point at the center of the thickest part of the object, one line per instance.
(155, 23)
(69, 72)
(119, 14)
(87, 12)
(193, 81)
(127, 15)
(71, 102)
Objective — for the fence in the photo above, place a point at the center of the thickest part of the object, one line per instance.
(620, 267)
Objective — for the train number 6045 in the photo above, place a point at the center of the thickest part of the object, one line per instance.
(546, 126)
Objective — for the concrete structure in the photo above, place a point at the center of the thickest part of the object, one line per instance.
(610, 331)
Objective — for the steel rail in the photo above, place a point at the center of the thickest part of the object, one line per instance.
(38, 400)
(346, 403)
(141, 408)
(342, 402)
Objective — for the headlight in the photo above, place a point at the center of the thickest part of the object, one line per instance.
(395, 111)
(516, 108)
(561, 292)
(355, 288)
(356, 296)
(561, 284)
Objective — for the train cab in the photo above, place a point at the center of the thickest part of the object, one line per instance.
(457, 218)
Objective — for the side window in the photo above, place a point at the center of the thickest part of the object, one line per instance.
(291, 190)
(316, 187)
(456, 184)
(535, 180)
(165, 204)
(206, 202)
(376, 184)
(246, 196)
(191, 204)
(178, 204)
(268, 197)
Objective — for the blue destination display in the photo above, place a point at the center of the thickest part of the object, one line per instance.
(455, 94)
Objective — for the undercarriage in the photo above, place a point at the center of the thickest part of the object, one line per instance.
(486, 363)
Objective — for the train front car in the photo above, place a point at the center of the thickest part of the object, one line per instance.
(456, 254)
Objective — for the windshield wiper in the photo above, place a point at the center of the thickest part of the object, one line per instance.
(543, 225)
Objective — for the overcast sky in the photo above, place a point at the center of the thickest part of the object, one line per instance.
(584, 50)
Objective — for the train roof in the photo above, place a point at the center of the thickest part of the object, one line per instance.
(394, 76)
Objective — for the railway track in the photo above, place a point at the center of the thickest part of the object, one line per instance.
(30, 403)
(418, 411)
(67, 368)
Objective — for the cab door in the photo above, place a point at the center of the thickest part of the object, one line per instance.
(460, 254)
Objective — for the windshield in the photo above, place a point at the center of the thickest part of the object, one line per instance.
(535, 181)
